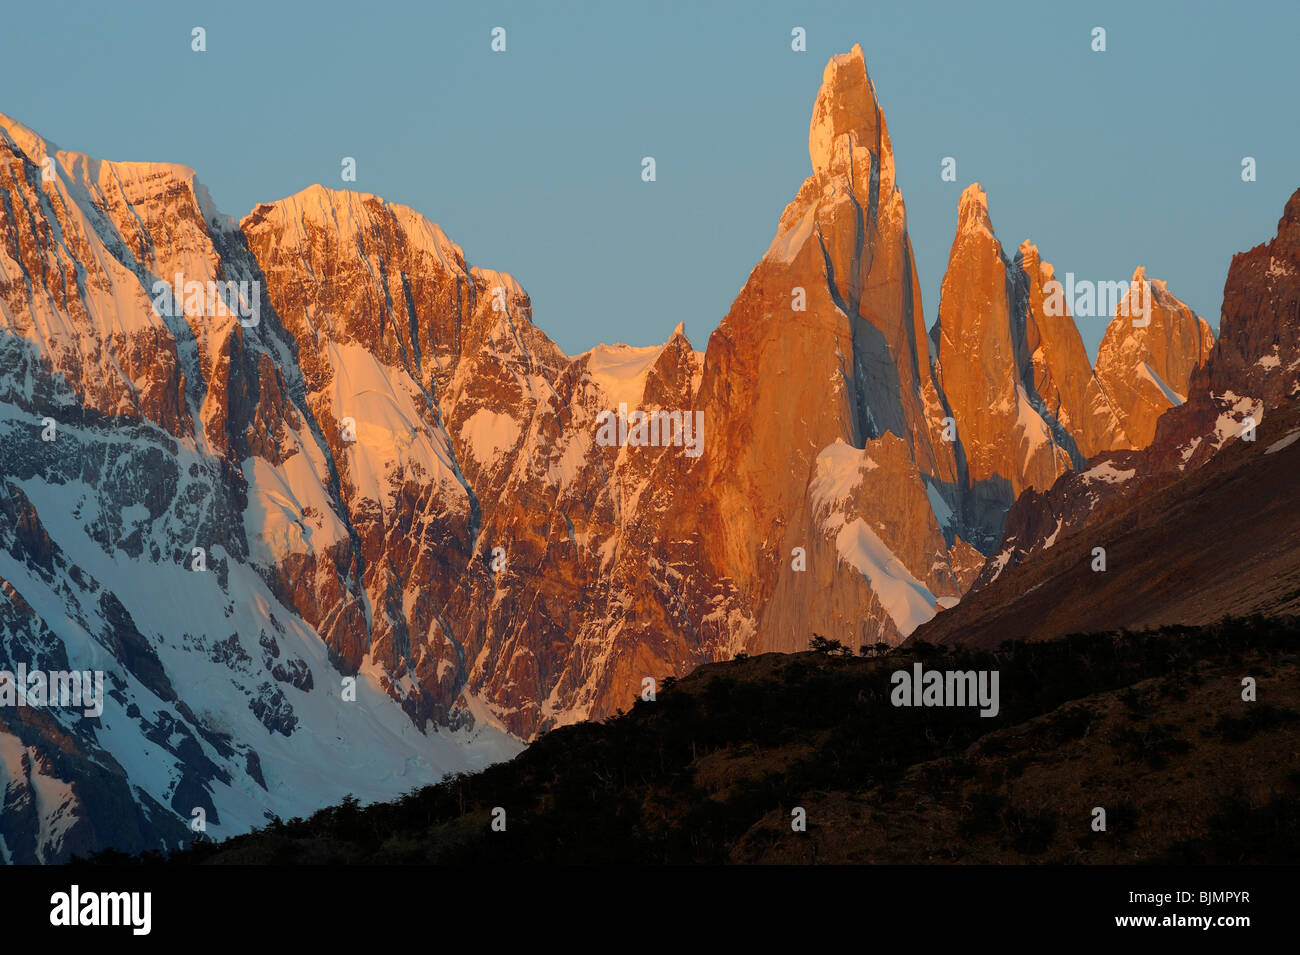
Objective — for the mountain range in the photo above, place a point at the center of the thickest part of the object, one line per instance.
(334, 515)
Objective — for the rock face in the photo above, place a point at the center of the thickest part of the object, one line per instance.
(173, 517)
(421, 374)
(1246, 376)
(1028, 406)
(1254, 365)
(844, 463)
(1010, 439)
(1147, 357)
(384, 471)
(1062, 376)
(1026, 402)
(333, 515)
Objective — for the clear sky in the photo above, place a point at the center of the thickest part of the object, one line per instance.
(531, 159)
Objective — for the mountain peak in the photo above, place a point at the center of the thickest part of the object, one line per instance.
(973, 209)
(127, 176)
(846, 106)
(25, 138)
(1288, 227)
(1152, 347)
(1158, 289)
(349, 212)
(1031, 260)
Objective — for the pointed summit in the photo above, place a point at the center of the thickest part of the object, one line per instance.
(856, 384)
(1032, 261)
(1147, 357)
(973, 210)
(985, 369)
(1059, 368)
(1288, 227)
(846, 107)
(29, 141)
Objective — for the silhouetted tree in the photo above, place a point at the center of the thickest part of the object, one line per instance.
(823, 645)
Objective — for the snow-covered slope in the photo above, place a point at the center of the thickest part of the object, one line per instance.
(166, 491)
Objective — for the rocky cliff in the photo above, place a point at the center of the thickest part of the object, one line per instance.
(1248, 376)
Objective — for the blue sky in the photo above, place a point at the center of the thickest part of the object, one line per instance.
(531, 159)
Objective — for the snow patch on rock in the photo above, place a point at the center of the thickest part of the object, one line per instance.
(488, 434)
(908, 602)
(1284, 442)
(620, 371)
(839, 471)
(1106, 471)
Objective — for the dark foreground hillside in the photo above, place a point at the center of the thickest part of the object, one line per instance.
(1151, 727)
(1182, 547)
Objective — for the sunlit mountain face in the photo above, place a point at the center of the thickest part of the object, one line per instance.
(325, 513)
